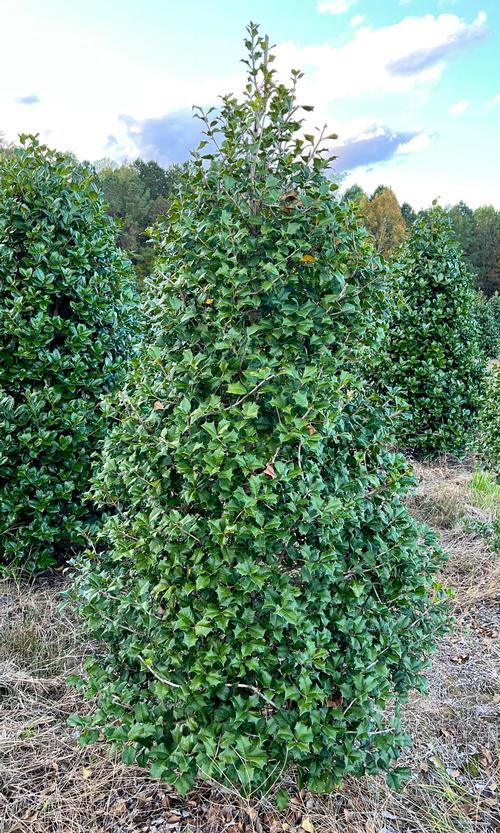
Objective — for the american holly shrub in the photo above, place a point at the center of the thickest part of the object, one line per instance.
(433, 356)
(266, 602)
(489, 422)
(488, 323)
(65, 314)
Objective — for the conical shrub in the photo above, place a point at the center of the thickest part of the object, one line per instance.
(65, 315)
(488, 324)
(266, 598)
(433, 354)
(489, 422)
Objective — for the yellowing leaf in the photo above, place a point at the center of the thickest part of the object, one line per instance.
(307, 825)
(209, 301)
(86, 773)
(308, 258)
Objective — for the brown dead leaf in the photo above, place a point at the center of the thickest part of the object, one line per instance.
(158, 406)
(311, 429)
(142, 799)
(291, 200)
(459, 659)
(485, 758)
(119, 808)
(335, 700)
(269, 470)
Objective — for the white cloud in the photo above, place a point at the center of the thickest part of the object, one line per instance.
(84, 86)
(399, 58)
(459, 107)
(493, 101)
(81, 107)
(410, 186)
(417, 144)
(366, 144)
(334, 6)
(356, 20)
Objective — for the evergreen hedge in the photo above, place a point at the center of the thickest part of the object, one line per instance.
(488, 322)
(489, 422)
(65, 315)
(433, 356)
(266, 601)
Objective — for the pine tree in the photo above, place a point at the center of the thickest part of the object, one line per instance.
(265, 596)
(65, 312)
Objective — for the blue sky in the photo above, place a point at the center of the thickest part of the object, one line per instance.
(411, 87)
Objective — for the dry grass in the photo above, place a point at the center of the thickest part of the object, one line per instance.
(49, 784)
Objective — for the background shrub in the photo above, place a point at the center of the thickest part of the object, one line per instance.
(489, 422)
(433, 355)
(488, 323)
(266, 594)
(65, 314)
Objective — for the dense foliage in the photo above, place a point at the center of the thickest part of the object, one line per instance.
(488, 322)
(433, 355)
(65, 303)
(489, 422)
(265, 601)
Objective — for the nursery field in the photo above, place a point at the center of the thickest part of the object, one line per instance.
(50, 784)
(249, 494)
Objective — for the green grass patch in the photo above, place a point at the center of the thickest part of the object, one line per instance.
(486, 492)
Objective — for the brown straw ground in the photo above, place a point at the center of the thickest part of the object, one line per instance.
(49, 784)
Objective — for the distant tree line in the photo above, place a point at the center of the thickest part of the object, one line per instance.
(477, 231)
(137, 195)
